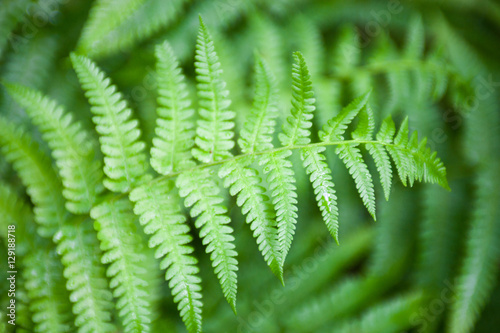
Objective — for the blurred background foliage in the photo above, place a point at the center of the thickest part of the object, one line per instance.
(430, 262)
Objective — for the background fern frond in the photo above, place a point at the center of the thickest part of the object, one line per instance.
(202, 194)
(159, 211)
(174, 139)
(114, 28)
(122, 247)
(89, 293)
(124, 157)
(50, 303)
(81, 174)
(38, 176)
(214, 132)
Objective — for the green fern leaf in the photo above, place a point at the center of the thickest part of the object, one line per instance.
(391, 316)
(321, 180)
(296, 128)
(116, 26)
(92, 301)
(214, 132)
(124, 159)
(351, 156)
(401, 159)
(244, 183)
(159, 211)
(379, 154)
(49, 302)
(81, 174)
(174, 139)
(114, 223)
(256, 134)
(335, 128)
(36, 172)
(202, 194)
(479, 272)
(280, 177)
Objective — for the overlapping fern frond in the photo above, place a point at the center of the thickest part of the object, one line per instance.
(86, 279)
(38, 176)
(70, 145)
(122, 246)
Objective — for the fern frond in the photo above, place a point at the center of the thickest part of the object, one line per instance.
(81, 174)
(244, 183)
(479, 272)
(353, 160)
(322, 183)
(214, 133)
(92, 301)
(159, 211)
(124, 158)
(335, 128)
(174, 139)
(379, 154)
(49, 301)
(114, 26)
(281, 180)
(296, 128)
(257, 131)
(202, 194)
(16, 212)
(36, 172)
(391, 316)
(11, 14)
(122, 246)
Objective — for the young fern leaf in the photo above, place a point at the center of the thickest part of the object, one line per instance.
(174, 139)
(122, 246)
(280, 177)
(244, 183)
(37, 175)
(92, 301)
(214, 132)
(81, 174)
(160, 214)
(49, 302)
(321, 180)
(200, 192)
(256, 134)
(124, 158)
(296, 128)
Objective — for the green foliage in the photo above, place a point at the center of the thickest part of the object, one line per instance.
(81, 174)
(114, 222)
(159, 211)
(178, 183)
(124, 158)
(86, 280)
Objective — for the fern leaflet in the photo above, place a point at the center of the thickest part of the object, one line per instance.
(36, 173)
(124, 158)
(202, 194)
(114, 222)
(73, 152)
(92, 301)
(174, 139)
(214, 132)
(159, 211)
